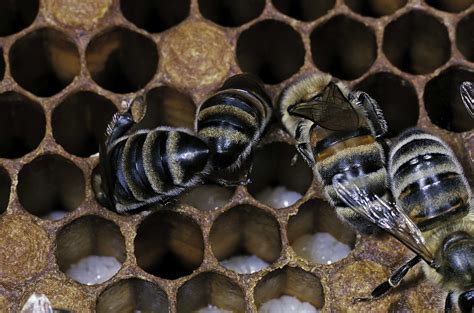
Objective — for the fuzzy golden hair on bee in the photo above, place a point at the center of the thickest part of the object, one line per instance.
(301, 90)
(232, 120)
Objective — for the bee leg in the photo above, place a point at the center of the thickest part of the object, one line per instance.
(303, 145)
(466, 301)
(392, 282)
(373, 111)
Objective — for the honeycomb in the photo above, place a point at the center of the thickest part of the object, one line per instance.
(65, 68)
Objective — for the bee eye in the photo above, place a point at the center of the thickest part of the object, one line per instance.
(427, 157)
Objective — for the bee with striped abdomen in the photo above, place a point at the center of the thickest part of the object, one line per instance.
(145, 167)
(232, 122)
(431, 214)
(345, 126)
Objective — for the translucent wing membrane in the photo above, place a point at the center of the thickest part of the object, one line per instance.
(387, 216)
(467, 95)
(330, 110)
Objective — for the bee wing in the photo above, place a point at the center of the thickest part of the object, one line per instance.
(467, 95)
(387, 216)
(330, 110)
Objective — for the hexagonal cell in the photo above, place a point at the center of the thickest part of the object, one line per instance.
(90, 249)
(452, 6)
(17, 15)
(168, 107)
(274, 181)
(263, 50)
(343, 47)
(304, 10)
(464, 37)
(394, 95)
(231, 13)
(157, 15)
(416, 43)
(245, 231)
(132, 295)
(289, 281)
(210, 290)
(22, 125)
(169, 245)
(44, 61)
(121, 60)
(317, 235)
(79, 122)
(50, 184)
(207, 197)
(443, 101)
(5, 185)
(375, 8)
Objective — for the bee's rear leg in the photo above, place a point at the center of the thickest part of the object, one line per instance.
(392, 282)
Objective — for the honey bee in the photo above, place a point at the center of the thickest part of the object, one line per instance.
(140, 168)
(430, 215)
(467, 95)
(346, 125)
(231, 122)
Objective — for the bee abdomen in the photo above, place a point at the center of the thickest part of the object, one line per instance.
(427, 180)
(133, 167)
(232, 120)
(362, 165)
(151, 165)
(173, 159)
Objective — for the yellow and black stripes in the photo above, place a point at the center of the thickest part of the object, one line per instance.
(232, 120)
(154, 165)
(363, 165)
(427, 181)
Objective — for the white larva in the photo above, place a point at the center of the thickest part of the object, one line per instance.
(94, 269)
(321, 248)
(244, 264)
(287, 304)
(278, 197)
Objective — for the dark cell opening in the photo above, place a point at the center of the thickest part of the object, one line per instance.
(464, 36)
(229, 12)
(80, 121)
(16, 15)
(22, 125)
(343, 47)
(304, 10)
(375, 8)
(5, 185)
(417, 43)
(210, 289)
(121, 60)
(169, 245)
(44, 61)
(156, 15)
(452, 6)
(50, 183)
(132, 295)
(270, 49)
